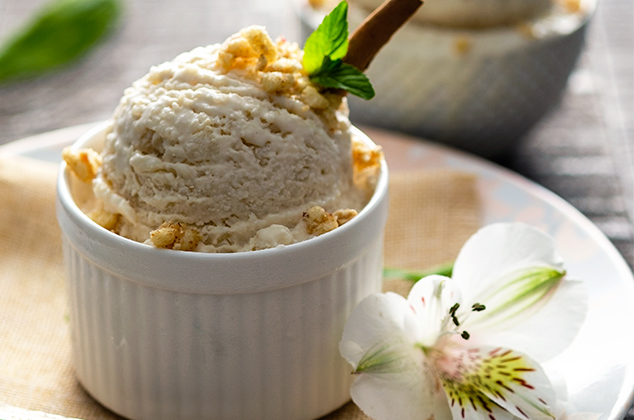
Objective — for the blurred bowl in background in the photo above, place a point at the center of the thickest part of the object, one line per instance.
(478, 89)
(472, 13)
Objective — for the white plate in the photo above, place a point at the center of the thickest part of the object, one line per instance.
(598, 368)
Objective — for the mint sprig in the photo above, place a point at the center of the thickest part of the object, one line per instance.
(323, 54)
(329, 40)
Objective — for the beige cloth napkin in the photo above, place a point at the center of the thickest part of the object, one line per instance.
(431, 215)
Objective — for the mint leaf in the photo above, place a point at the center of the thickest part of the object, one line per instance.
(61, 32)
(330, 39)
(339, 75)
(323, 53)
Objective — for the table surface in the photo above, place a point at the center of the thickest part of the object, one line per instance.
(583, 151)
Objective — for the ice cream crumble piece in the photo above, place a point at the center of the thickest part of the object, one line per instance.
(526, 30)
(571, 6)
(285, 65)
(462, 45)
(240, 47)
(174, 235)
(311, 97)
(318, 221)
(270, 237)
(276, 81)
(83, 162)
(317, 3)
(225, 60)
(260, 41)
(276, 66)
(104, 218)
(249, 47)
(261, 63)
(366, 162)
(364, 156)
(343, 216)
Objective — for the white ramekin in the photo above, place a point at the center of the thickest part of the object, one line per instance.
(161, 334)
(480, 90)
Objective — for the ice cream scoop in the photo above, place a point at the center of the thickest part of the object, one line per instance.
(229, 146)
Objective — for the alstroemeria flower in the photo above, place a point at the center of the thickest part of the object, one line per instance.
(469, 346)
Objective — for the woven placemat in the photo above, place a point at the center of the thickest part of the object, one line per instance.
(431, 215)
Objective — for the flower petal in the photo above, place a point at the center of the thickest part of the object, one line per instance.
(394, 382)
(431, 299)
(497, 250)
(381, 326)
(403, 397)
(546, 333)
(494, 384)
(530, 306)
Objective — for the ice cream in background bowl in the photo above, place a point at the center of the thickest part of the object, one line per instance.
(471, 13)
(227, 151)
(472, 74)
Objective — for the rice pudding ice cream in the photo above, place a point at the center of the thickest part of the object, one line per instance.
(228, 148)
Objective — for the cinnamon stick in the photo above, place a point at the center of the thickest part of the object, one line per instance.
(377, 29)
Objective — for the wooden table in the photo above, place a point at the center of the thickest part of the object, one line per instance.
(584, 151)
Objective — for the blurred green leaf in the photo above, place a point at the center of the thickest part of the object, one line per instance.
(60, 32)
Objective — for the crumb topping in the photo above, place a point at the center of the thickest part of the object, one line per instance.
(317, 3)
(462, 45)
(84, 163)
(276, 66)
(318, 221)
(366, 163)
(104, 218)
(174, 235)
(343, 216)
(571, 6)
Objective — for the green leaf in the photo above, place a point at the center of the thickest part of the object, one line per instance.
(415, 275)
(339, 75)
(330, 39)
(61, 32)
(323, 55)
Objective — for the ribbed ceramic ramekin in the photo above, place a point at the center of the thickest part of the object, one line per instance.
(161, 334)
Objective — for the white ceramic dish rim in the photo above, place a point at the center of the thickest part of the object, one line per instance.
(618, 382)
(165, 268)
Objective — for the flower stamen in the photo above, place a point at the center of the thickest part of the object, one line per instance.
(478, 307)
(452, 314)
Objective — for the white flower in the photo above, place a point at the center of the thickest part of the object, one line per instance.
(468, 346)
